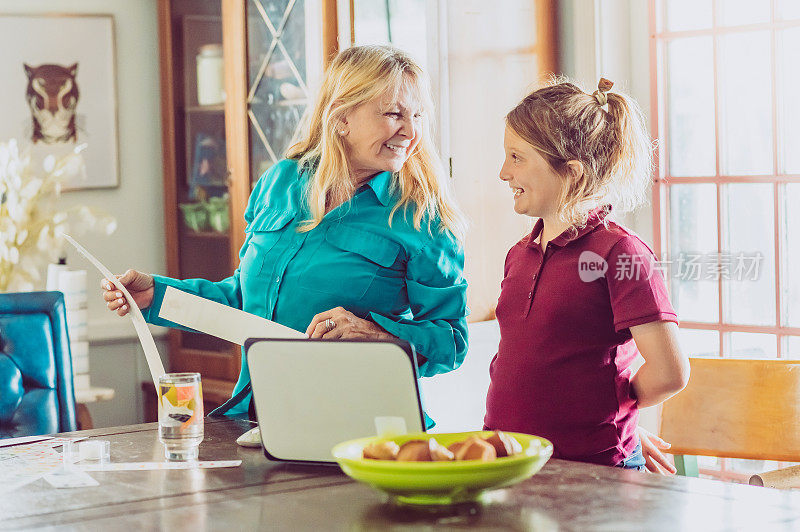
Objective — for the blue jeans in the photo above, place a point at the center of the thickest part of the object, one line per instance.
(635, 460)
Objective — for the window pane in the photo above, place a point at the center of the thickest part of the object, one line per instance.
(396, 22)
(748, 266)
(791, 347)
(699, 343)
(739, 12)
(408, 28)
(688, 14)
(752, 467)
(710, 467)
(708, 462)
(790, 276)
(753, 345)
(371, 22)
(745, 103)
(279, 79)
(690, 90)
(788, 9)
(692, 239)
(788, 102)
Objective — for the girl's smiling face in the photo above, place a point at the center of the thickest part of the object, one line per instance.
(536, 186)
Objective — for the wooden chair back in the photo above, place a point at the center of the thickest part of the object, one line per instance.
(737, 409)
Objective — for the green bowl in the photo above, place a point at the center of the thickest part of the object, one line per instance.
(442, 482)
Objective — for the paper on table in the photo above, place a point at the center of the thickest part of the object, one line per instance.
(70, 479)
(23, 464)
(219, 320)
(155, 466)
(23, 439)
(53, 442)
(146, 339)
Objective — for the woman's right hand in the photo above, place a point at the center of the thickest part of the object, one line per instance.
(140, 285)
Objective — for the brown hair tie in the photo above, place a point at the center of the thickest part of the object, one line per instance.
(603, 86)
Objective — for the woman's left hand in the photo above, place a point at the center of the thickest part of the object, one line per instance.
(654, 459)
(339, 323)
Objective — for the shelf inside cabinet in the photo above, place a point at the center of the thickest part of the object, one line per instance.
(218, 360)
(206, 108)
(204, 258)
(207, 234)
(195, 343)
(217, 391)
(197, 31)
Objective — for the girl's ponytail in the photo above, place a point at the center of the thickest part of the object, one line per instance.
(630, 161)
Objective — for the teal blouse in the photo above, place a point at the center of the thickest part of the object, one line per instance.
(408, 281)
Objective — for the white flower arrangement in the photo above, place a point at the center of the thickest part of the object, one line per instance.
(31, 226)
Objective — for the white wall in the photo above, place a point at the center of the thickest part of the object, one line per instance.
(137, 203)
(457, 400)
(491, 68)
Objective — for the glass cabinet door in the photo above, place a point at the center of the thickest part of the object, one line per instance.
(284, 65)
(197, 183)
(200, 177)
(237, 75)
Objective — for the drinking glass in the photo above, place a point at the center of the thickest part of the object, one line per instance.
(180, 415)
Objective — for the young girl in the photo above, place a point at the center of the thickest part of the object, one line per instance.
(581, 295)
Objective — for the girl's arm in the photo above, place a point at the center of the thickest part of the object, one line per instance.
(665, 371)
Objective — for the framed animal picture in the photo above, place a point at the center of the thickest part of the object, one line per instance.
(59, 90)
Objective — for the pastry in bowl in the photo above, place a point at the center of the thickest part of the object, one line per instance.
(487, 448)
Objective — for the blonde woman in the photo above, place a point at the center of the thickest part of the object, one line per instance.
(354, 234)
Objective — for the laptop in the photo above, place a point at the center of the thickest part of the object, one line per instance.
(313, 394)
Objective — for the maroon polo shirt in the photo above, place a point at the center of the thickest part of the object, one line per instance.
(563, 367)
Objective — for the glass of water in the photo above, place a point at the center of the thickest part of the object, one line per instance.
(180, 415)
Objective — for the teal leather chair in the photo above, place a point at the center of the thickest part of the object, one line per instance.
(36, 388)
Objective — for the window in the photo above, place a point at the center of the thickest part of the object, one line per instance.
(726, 197)
(400, 23)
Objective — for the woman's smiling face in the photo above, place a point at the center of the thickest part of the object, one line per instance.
(536, 186)
(381, 134)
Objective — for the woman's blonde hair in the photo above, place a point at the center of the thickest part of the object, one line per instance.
(356, 76)
(564, 123)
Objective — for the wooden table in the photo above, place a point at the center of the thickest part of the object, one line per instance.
(261, 495)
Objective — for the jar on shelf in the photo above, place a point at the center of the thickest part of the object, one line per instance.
(210, 75)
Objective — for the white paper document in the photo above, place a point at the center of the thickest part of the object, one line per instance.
(70, 479)
(219, 320)
(156, 466)
(23, 439)
(23, 464)
(146, 339)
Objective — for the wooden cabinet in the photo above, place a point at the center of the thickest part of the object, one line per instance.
(223, 126)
